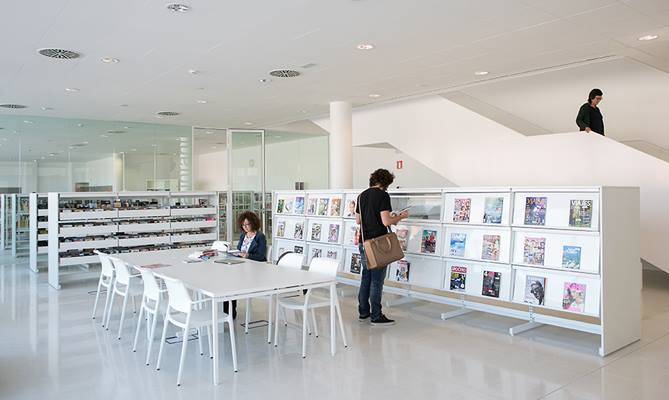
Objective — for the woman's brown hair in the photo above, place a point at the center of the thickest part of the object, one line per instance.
(251, 217)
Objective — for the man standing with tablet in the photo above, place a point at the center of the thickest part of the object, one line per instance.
(374, 213)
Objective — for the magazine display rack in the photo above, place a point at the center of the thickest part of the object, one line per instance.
(119, 222)
(7, 202)
(556, 256)
(39, 226)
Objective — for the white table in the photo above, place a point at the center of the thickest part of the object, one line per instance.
(224, 282)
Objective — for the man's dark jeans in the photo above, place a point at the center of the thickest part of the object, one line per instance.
(371, 288)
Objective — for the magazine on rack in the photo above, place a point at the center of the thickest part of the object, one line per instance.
(402, 271)
(350, 209)
(580, 213)
(461, 210)
(491, 283)
(323, 206)
(333, 233)
(571, 257)
(535, 210)
(311, 208)
(535, 290)
(281, 228)
(335, 207)
(428, 243)
(492, 213)
(457, 247)
(299, 230)
(534, 251)
(316, 253)
(458, 278)
(288, 206)
(402, 234)
(490, 249)
(299, 205)
(316, 232)
(573, 297)
(279, 206)
(298, 249)
(333, 254)
(356, 263)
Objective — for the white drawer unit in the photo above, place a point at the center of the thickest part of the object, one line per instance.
(86, 215)
(156, 212)
(81, 231)
(177, 212)
(88, 244)
(144, 241)
(140, 227)
(174, 225)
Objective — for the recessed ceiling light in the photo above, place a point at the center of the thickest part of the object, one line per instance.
(104, 136)
(154, 145)
(60, 54)
(209, 132)
(263, 80)
(109, 60)
(481, 73)
(176, 7)
(42, 157)
(80, 125)
(133, 149)
(28, 122)
(71, 89)
(365, 46)
(374, 95)
(202, 101)
(126, 127)
(47, 108)
(123, 105)
(648, 37)
(193, 71)
(248, 123)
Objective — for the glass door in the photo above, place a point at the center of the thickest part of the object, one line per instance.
(246, 174)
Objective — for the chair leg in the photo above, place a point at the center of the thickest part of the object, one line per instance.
(184, 346)
(152, 331)
(199, 340)
(162, 343)
(313, 319)
(341, 323)
(276, 323)
(97, 297)
(211, 351)
(285, 316)
(269, 319)
(233, 346)
(305, 318)
(139, 324)
(107, 306)
(111, 306)
(120, 324)
(134, 305)
(248, 316)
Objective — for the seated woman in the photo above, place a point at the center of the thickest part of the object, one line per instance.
(252, 245)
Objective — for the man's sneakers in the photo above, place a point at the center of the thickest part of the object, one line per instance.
(383, 321)
(363, 319)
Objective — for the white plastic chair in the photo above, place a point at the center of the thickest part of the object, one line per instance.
(311, 302)
(180, 313)
(286, 260)
(220, 245)
(152, 305)
(124, 286)
(106, 281)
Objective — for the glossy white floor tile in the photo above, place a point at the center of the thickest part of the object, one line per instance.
(50, 348)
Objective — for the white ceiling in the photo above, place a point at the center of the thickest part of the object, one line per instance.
(421, 46)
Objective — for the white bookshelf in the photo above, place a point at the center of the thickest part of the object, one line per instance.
(118, 222)
(497, 246)
(38, 229)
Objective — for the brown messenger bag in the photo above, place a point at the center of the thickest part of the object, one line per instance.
(383, 250)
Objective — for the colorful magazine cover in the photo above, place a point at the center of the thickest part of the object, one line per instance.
(535, 210)
(580, 213)
(350, 209)
(356, 263)
(279, 206)
(403, 237)
(316, 253)
(573, 297)
(571, 257)
(353, 237)
(490, 246)
(492, 213)
(458, 278)
(323, 206)
(299, 205)
(288, 206)
(333, 233)
(458, 242)
(311, 208)
(281, 228)
(491, 283)
(534, 251)
(299, 230)
(316, 232)
(298, 249)
(461, 209)
(335, 207)
(535, 290)
(332, 254)
(429, 242)
(402, 271)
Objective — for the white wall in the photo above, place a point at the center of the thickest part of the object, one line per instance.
(471, 150)
(211, 171)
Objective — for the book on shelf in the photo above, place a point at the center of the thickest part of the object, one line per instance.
(402, 234)
(316, 253)
(279, 205)
(350, 209)
(356, 263)
(491, 283)
(534, 250)
(281, 228)
(298, 249)
(457, 244)
(458, 278)
(299, 205)
(428, 242)
(535, 290)
(490, 247)
(461, 210)
(316, 229)
(299, 231)
(312, 206)
(335, 207)
(571, 257)
(492, 213)
(332, 254)
(323, 206)
(333, 233)
(573, 296)
(535, 210)
(580, 213)
(402, 271)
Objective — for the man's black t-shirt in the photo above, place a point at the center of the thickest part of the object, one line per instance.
(372, 202)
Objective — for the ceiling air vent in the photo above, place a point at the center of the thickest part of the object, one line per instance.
(167, 113)
(13, 106)
(60, 54)
(284, 73)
